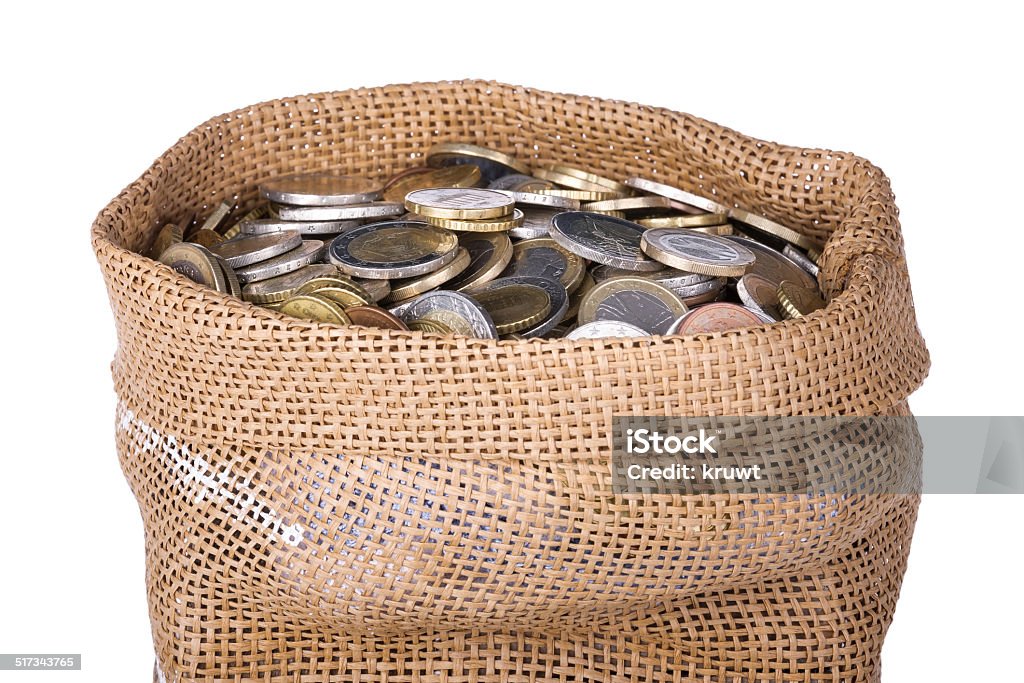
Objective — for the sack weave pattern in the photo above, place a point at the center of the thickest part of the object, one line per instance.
(327, 503)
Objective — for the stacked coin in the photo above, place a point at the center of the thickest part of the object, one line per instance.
(482, 244)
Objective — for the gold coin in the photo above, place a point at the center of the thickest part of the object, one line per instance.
(233, 232)
(724, 229)
(543, 257)
(772, 228)
(196, 263)
(168, 235)
(254, 214)
(513, 307)
(444, 153)
(425, 325)
(569, 181)
(277, 289)
(815, 255)
(216, 218)
(613, 214)
(797, 301)
(582, 195)
(494, 225)
(489, 254)
(463, 175)
(377, 289)
(468, 203)
(592, 178)
(409, 287)
(316, 308)
(337, 288)
(628, 204)
(207, 238)
(702, 220)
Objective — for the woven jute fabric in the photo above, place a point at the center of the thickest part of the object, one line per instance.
(327, 503)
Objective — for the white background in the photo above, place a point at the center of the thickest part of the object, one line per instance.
(91, 95)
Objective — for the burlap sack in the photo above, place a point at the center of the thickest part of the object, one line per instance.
(326, 503)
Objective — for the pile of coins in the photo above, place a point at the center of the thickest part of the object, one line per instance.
(478, 243)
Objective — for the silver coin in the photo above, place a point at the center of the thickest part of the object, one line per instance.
(234, 286)
(266, 226)
(559, 302)
(303, 255)
(546, 201)
(400, 310)
(489, 254)
(763, 317)
(393, 250)
(682, 200)
(287, 282)
(604, 239)
(799, 258)
(714, 285)
(320, 189)
(246, 250)
(648, 305)
(670, 277)
(348, 212)
(518, 182)
(677, 323)
(696, 252)
(536, 223)
(459, 312)
(772, 265)
(600, 329)
(377, 289)
(759, 295)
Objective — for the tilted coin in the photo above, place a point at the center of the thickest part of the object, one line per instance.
(207, 238)
(815, 255)
(693, 220)
(460, 203)
(266, 226)
(798, 257)
(346, 212)
(246, 250)
(572, 181)
(517, 182)
(772, 265)
(719, 230)
(717, 317)
(694, 252)
(513, 306)
(559, 303)
(489, 253)
(316, 308)
(701, 293)
(536, 223)
(306, 253)
(759, 295)
(232, 232)
(546, 201)
(234, 287)
(457, 311)
(686, 201)
(492, 163)
(283, 286)
(196, 263)
(581, 195)
(377, 289)
(758, 223)
(502, 224)
(670, 277)
(168, 235)
(405, 173)
(253, 214)
(393, 249)
(216, 219)
(641, 302)
(373, 316)
(319, 189)
(406, 288)
(601, 329)
(629, 204)
(604, 239)
(337, 288)
(797, 301)
(543, 257)
(765, 318)
(592, 178)
(453, 176)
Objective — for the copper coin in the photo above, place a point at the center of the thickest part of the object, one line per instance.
(372, 316)
(717, 317)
